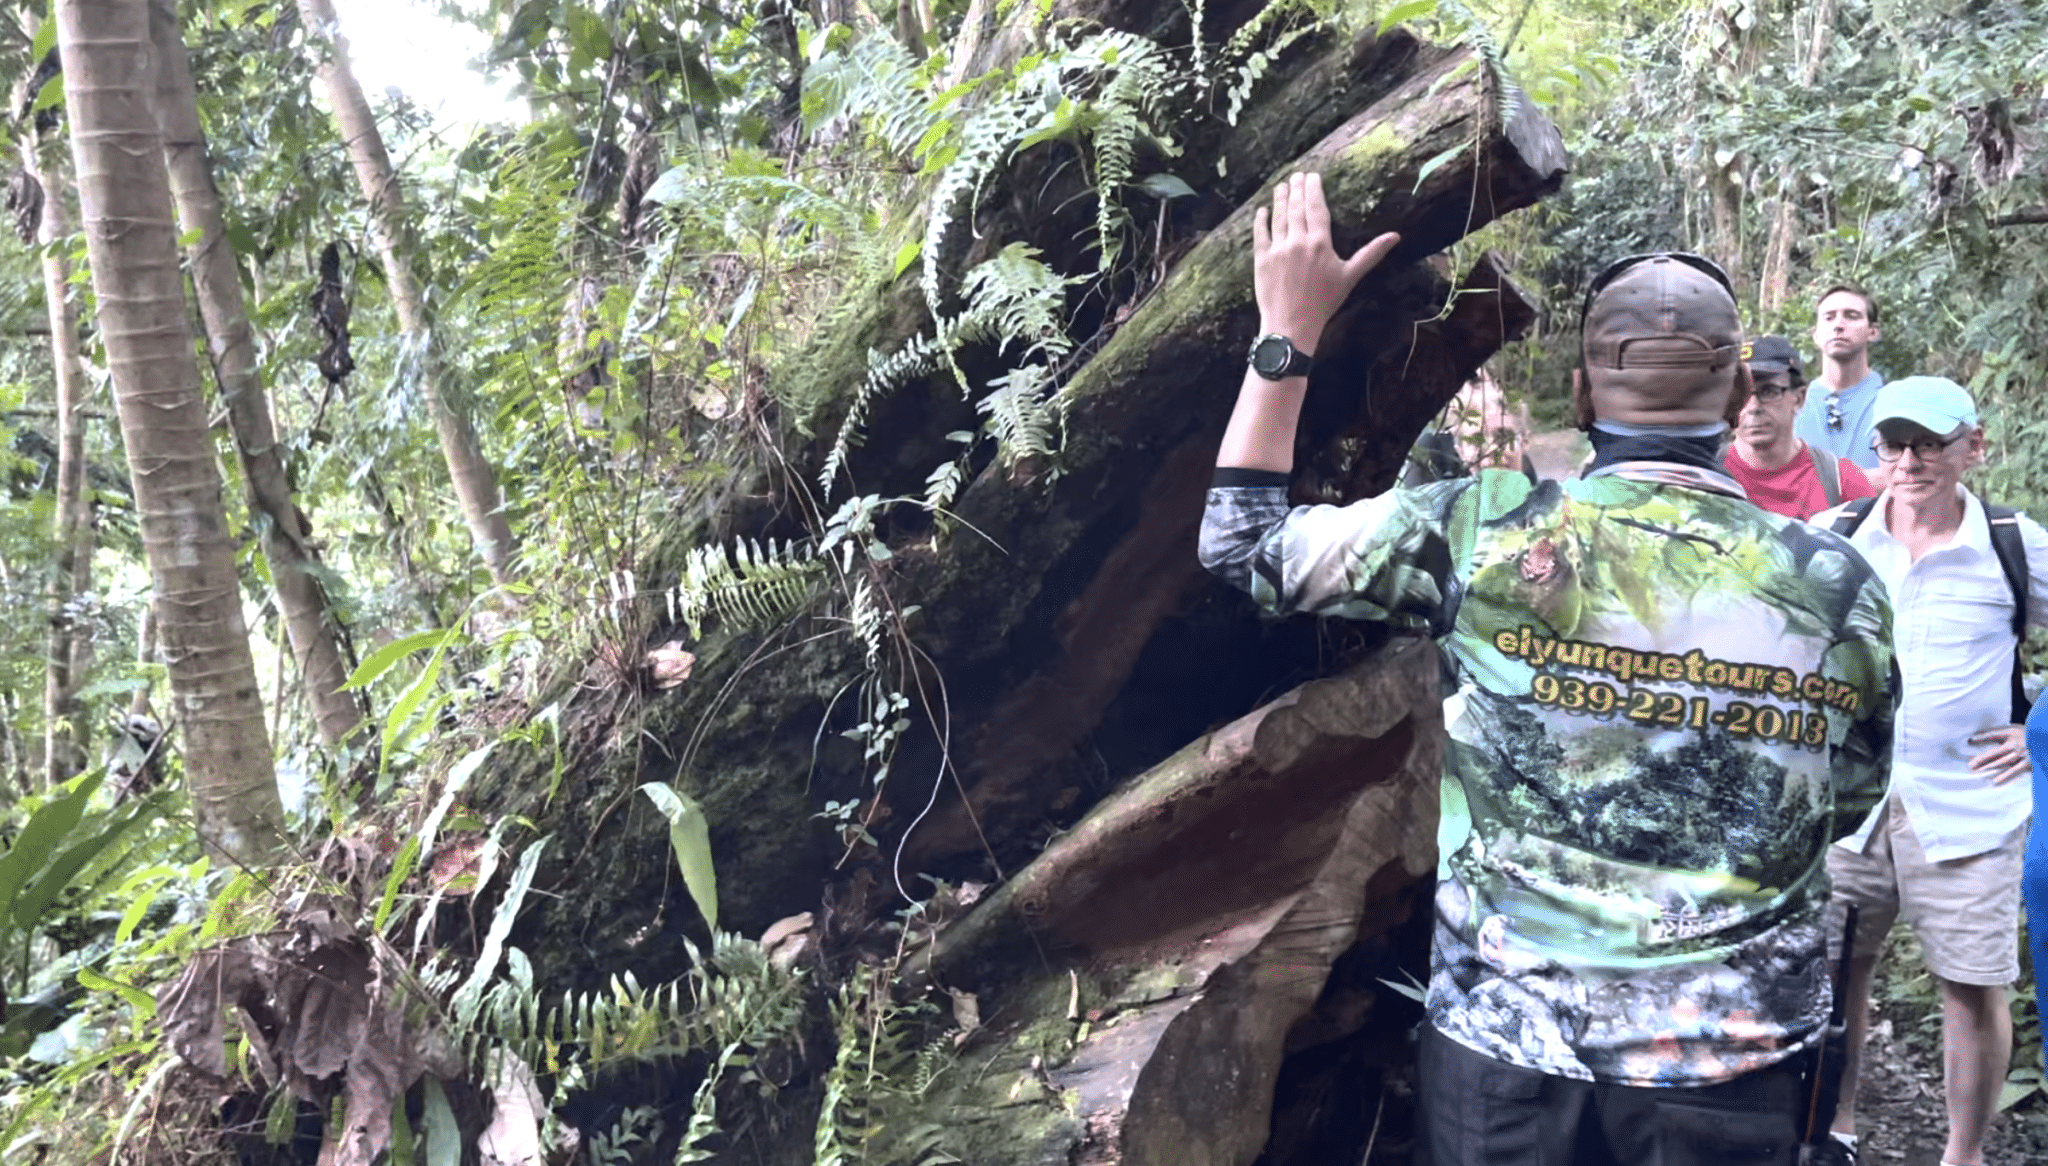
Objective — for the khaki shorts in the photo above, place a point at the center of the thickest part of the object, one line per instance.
(1965, 912)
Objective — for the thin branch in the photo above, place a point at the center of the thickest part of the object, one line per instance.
(2033, 216)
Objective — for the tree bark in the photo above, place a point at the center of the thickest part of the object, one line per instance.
(64, 734)
(476, 483)
(1194, 920)
(308, 615)
(126, 203)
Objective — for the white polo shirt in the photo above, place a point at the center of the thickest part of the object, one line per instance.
(1952, 637)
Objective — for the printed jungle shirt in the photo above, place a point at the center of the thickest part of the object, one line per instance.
(1669, 703)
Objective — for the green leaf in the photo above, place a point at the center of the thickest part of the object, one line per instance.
(143, 1002)
(37, 897)
(470, 996)
(401, 1137)
(905, 256)
(442, 1136)
(50, 95)
(1408, 11)
(2015, 1092)
(45, 829)
(381, 660)
(689, 832)
(1437, 163)
(46, 39)
(1166, 186)
(401, 869)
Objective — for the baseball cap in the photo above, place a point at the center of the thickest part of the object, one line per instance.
(1936, 404)
(1769, 354)
(1661, 296)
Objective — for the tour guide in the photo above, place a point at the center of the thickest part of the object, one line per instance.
(1670, 702)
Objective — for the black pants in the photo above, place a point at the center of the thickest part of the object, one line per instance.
(1476, 1111)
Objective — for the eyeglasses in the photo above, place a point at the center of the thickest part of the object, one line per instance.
(1769, 393)
(1615, 269)
(1835, 412)
(1924, 448)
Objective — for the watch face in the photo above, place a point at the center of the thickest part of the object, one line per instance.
(1270, 355)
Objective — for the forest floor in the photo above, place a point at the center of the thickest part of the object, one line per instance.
(1901, 1114)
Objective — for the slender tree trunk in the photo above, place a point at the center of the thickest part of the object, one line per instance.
(1792, 187)
(72, 535)
(476, 485)
(308, 615)
(126, 203)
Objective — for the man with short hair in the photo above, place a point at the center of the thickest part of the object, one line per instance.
(1945, 850)
(1667, 699)
(1838, 420)
(1779, 472)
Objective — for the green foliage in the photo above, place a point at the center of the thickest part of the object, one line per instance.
(878, 1074)
(690, 837)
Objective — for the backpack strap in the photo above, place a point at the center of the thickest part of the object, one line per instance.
(1852, 516)
(1830, 470)
(2012, 560)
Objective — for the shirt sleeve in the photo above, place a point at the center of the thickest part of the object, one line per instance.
(1385, 559)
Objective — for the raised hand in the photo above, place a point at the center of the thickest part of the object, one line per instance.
(1296, 274)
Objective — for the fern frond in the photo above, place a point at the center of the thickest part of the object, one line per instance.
(526, 272)
(985, 143)
(878, 83)
(758, 584)
(1015, 297)
(1021, 414)
(921, 355)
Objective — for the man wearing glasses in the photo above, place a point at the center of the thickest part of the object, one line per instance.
(1839, 419)
(1946, 849)
(1779, 472)
(1665, 697)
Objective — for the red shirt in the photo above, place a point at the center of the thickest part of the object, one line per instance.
(1794, 489)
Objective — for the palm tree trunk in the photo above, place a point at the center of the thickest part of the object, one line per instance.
(476, 484)
(308, 616)
(72, 534)
(125, 198)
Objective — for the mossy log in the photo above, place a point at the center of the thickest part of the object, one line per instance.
(1157, 964)
(1091, 645)
(1051, 625)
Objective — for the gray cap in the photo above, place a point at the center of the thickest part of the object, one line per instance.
(1662, 297)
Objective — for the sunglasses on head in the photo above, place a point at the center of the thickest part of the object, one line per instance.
(1614, 270)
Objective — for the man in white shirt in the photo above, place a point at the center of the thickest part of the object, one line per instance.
(1945, 849)
(1838, 416)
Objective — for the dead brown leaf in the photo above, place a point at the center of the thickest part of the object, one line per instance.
(190, 1006)
(669, 665)
(456, 865)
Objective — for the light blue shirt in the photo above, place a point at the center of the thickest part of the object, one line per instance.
(1852, 440)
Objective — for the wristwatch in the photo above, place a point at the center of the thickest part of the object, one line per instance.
(1276, 358)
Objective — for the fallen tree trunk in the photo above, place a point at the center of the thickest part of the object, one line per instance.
(1156, 965)
(1091, 645)
(1150, 406)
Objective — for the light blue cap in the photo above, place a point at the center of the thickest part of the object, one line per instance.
(1936, 404)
